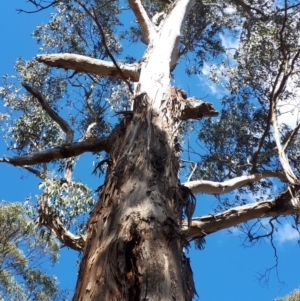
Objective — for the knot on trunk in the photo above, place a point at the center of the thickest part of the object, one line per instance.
(190, 108)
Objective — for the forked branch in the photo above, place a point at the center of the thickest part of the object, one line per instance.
(291, 137)
(92, 14)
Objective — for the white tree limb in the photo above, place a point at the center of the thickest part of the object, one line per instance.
(210, 187)
(158, 62)
(81, 63)
(143, 20)
(288, 202)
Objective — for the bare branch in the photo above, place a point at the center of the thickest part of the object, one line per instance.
(81, 63)
(143, 20)
(46, 218)
(281, 80)
(288, 202)
(210, 187)
(61, 152)
(60, 121)
(93, 16)
(35, 172)
(39, 7)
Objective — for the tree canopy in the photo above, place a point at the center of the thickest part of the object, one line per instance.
(72, 98)
(293, 296)
(22, 253)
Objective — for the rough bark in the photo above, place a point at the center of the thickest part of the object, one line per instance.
(135, 237)
(134, 249)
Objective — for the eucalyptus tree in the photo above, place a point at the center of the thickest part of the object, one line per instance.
(91, 92)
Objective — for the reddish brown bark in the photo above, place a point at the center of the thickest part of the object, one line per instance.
(134, 249)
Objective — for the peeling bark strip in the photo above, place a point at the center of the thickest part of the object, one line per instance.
(86, 64)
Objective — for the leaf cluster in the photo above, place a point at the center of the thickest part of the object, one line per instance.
(23, 250)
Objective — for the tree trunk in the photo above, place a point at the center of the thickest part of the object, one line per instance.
(134, 249)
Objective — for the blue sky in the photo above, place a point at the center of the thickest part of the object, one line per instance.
(224, 270)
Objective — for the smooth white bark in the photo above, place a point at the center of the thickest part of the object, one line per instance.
(148, 30)
(163, 53)
(86, 64)
(211, 187)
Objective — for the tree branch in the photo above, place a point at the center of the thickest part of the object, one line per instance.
(143, 20)
(46, 218)
(61, 152)
(288, 202)
(81, 63)
(192, 108)
(281, 80)
(35, 172)
(39, 7)
(60, 121)
(94, 18)
(210, 187)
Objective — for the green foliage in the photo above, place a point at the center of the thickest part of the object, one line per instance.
(23, 250)
(294, 296)
(246, 73)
